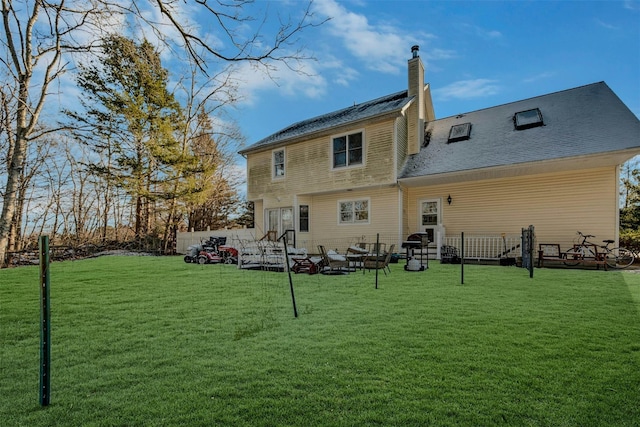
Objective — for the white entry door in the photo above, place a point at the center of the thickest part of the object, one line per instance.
(431, 222)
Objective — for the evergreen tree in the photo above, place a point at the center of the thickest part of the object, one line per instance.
(630, 211)
(218, 201)
(131, 115)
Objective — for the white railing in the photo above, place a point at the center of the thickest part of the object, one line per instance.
(487, 247)
(475, 246)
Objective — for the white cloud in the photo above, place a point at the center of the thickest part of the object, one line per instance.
(255, 80)
(346, 76)
(482, 32)
(163, 31)
(379, 47)
(354, 45)
(605, 25)
(467, 89)
(541, 76)
(439, 54)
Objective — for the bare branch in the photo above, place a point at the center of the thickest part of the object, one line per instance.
(244, 49)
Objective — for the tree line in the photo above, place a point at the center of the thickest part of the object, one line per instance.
(630, 207)
(135, 153)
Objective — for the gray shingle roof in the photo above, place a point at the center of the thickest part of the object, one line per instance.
(366, 110)
(577, 122)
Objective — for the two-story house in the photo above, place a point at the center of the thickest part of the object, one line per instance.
(389, 167)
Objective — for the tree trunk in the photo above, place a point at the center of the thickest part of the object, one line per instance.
(10, 198)
(14, 176)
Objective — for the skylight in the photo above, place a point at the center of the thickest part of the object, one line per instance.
(528, 119)
(460, 132)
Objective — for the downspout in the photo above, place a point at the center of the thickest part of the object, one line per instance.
(616, 232)
(395, 178)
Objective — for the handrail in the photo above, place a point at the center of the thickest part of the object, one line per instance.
(285, 234)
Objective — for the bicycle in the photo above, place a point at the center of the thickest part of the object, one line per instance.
(614, 257)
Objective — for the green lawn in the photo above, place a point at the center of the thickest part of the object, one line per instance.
(152, 341)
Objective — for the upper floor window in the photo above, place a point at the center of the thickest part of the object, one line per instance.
(354, 211)
(278, 163)
(348, 150)
(528, 119)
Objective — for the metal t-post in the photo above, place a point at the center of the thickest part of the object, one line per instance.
(45, 321)
(462, 258)
(377, 256)
(531, 245)
(286, 257)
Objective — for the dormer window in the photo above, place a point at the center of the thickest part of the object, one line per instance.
(460, 132)
(528, 119)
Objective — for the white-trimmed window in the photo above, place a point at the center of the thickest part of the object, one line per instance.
(277, 158)
(353, 211)
(303, 218)
(347, 150)
(430, 217)
(279, 220)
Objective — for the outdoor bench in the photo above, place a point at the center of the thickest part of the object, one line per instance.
(552, 252)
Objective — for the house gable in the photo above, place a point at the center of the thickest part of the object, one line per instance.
(310, 165)
(342, 119)
(470, 165)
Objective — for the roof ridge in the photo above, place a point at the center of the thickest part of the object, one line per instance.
(602, 82)
(337, 112)
(355, 112)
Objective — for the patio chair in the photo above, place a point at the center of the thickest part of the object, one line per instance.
(356, 254)
(378, 248)
(334, 262)
(382, 263)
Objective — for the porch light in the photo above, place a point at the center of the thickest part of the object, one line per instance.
(449, 199)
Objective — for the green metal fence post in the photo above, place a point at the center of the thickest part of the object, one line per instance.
(45, 323)
(462, 258)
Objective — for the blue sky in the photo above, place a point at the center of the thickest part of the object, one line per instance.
(477, 54)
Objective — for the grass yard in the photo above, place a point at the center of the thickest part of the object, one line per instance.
(152, 341)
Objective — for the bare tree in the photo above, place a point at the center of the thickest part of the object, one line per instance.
(219, 200)
(230, 19)
(209, 138)
(38, 37)
(35, 37)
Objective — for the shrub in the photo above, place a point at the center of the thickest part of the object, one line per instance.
(630, 239)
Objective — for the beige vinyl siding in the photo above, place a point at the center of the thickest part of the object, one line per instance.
(556, 204)
(258, 218)
(383, 218)
(401, 142)
(309, 167)
(413, 147)
(258, 174)
(408, 226)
